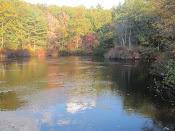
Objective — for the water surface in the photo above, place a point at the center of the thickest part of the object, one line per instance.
(79, 94)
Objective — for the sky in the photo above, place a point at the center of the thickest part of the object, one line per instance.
(106, 4)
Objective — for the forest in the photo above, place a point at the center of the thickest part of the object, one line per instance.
(137, 29)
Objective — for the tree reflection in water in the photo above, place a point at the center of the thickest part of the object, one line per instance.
(80, 93)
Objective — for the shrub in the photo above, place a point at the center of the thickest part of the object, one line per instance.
(2, 51)
(148, 53)
(79, 52)
(121, 52)
(41, 52)
(158, 67)
(116, 53)
(16, 53)
(169, 77)
(50, 52)
(64, 52)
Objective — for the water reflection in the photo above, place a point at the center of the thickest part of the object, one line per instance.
(79, 93)
(9, 100)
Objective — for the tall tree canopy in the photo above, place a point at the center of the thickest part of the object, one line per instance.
(134, 23)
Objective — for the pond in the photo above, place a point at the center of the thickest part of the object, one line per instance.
(80, 94)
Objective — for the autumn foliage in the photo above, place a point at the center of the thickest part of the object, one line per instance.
(15, 53)
(40, 28)
(91, 40)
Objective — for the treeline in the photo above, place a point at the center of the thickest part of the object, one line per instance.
(38, 27)
(136, 23)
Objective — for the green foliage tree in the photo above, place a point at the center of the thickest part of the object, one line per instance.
(7, 20)
(169, 78)
(133, 23)
(37, 27)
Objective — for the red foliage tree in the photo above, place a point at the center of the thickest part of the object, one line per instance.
(91, 41)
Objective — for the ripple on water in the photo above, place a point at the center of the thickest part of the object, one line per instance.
(5, 91)
(2, 70)
(2, 82)
(59, 74)
(100, 67)
(104, 99)
(128, 65)
(83, 67)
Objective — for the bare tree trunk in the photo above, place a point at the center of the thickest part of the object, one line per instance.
(21, 42)
(130, 44)
(63, 40)
(28, 42)
(34, 46)
(123, 40)
(158, 46)
(2, 35)
(125, 36)
(77, 43)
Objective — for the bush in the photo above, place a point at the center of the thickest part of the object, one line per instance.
(100, 51)
(121, 52)
(40, 52)
(2, 51)
(64, 52)
(148, 53)
(158, 67)
(169, 77)
(9, 53)
(79, 52)
(50, 52)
